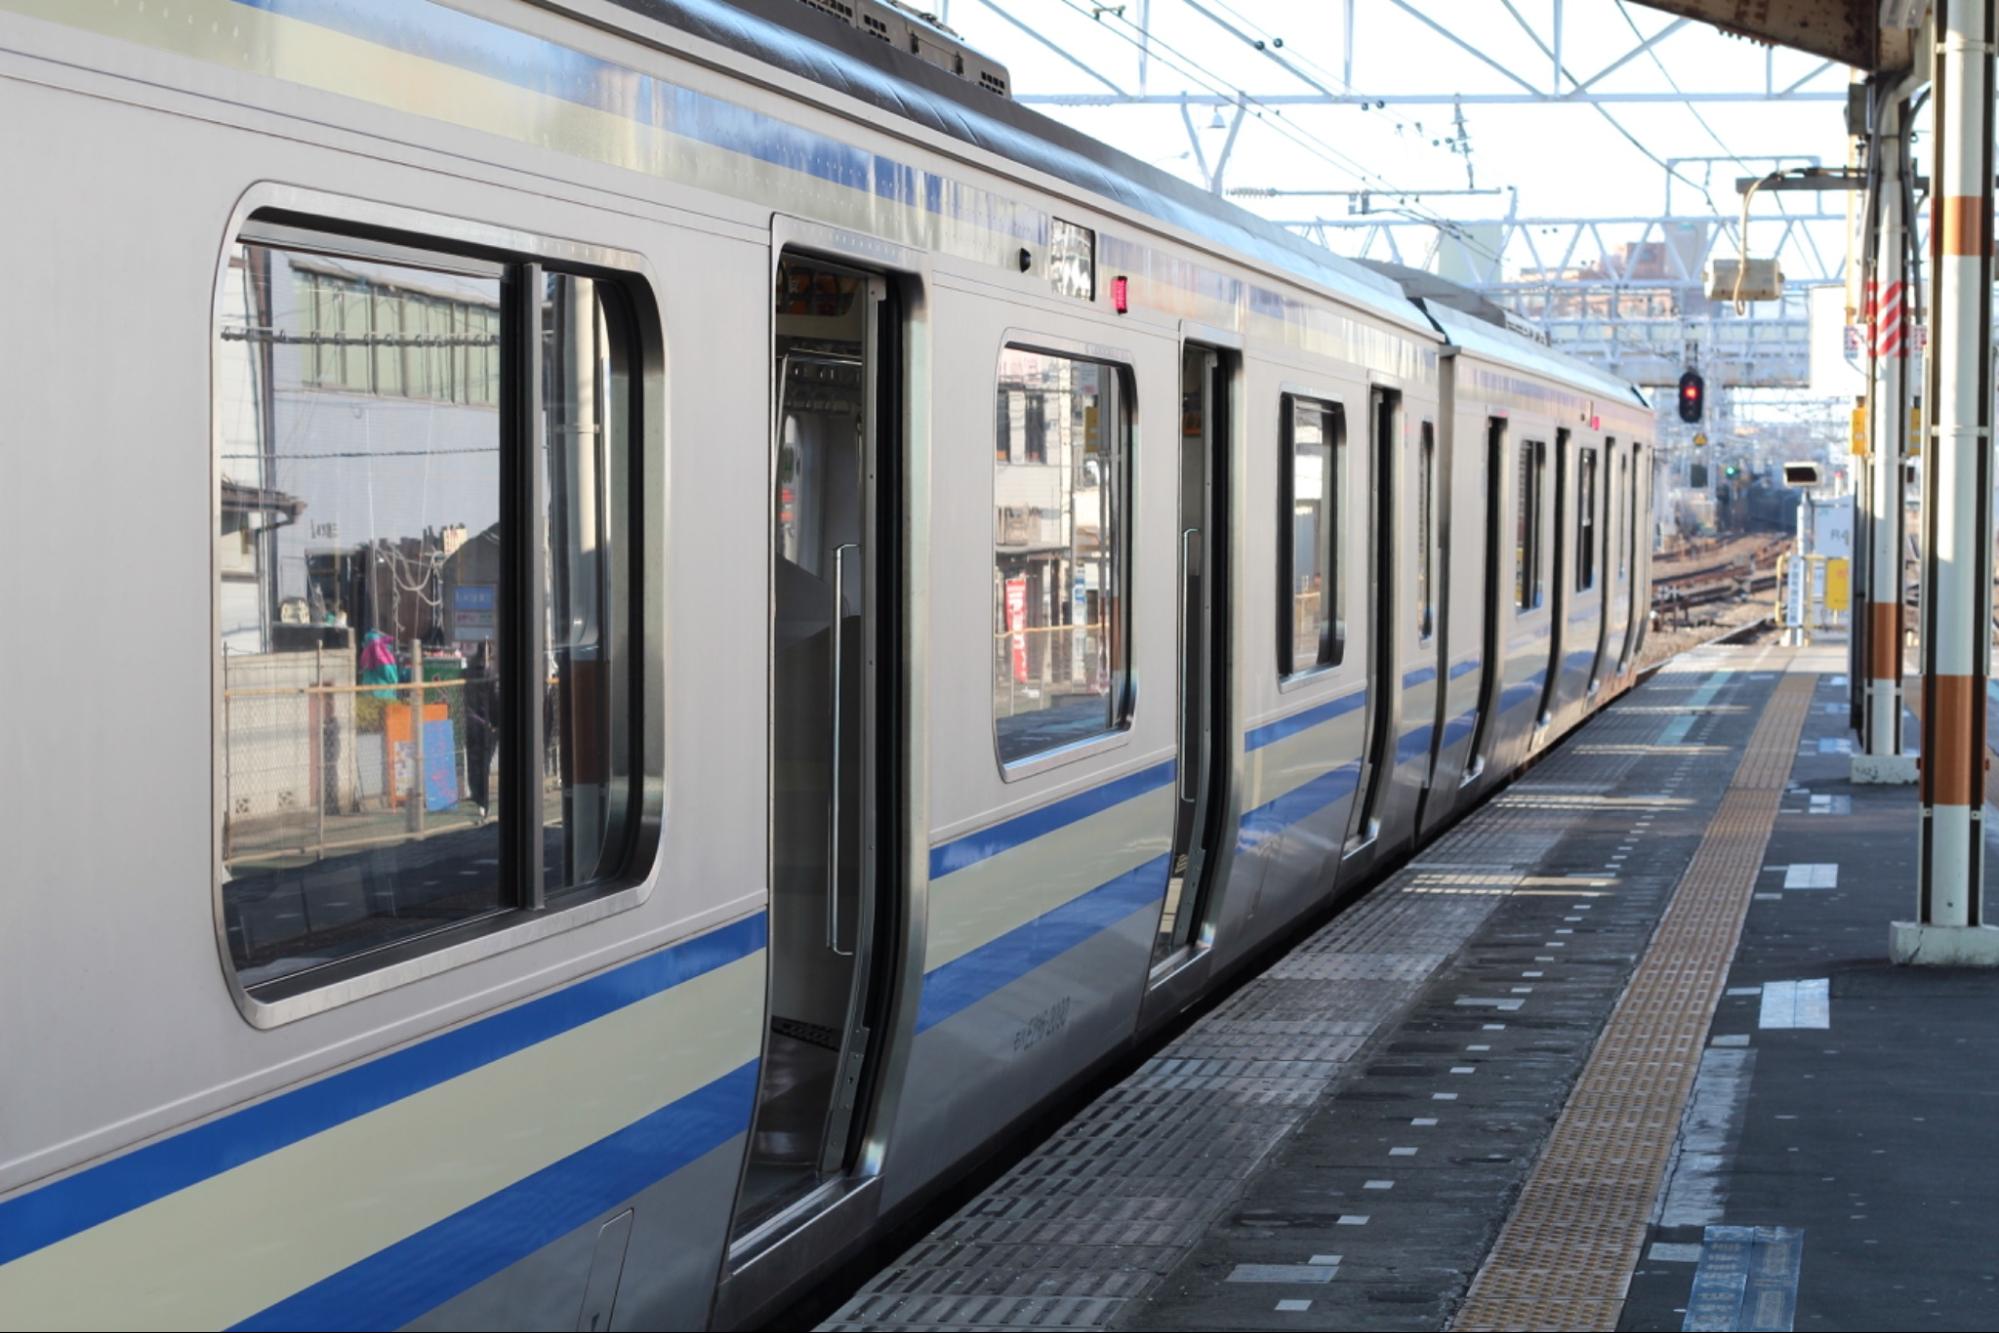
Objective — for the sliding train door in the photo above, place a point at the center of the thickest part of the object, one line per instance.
(1495, 624)
(1384, 435)
(1202, 774)
(835, 367)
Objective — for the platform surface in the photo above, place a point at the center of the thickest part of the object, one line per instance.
(1622, 1050)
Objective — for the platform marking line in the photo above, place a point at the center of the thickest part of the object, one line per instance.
(1811, 875)
(1747, 1279)
(1796, 1004)
(1564, 1258)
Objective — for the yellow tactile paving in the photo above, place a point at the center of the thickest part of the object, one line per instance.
(1565, 1256)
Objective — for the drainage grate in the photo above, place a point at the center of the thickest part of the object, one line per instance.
(1565, 1257)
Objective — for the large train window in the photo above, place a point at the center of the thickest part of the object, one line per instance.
(426, 548)
(1311, 613)
(1060, 501)
(1586, 519)
(1527, 525)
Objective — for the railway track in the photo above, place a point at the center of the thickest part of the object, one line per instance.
(1741, 569)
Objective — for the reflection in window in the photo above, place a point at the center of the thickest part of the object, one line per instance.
(1586, 520)
(1058, 569)
(1630, 529)
(368, 613)
(1527, 526)
(1311, 616)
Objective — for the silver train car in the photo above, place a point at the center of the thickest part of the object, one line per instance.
(725, 612)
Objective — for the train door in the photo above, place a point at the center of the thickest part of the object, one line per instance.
(1201, 791)
(1610, 637)
(1638, 539)
(1564, 576)
(1492, 661)
(1385, 431)
(835, 365)
(1430, 577)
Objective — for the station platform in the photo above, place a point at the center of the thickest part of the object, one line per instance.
(1622, 1050)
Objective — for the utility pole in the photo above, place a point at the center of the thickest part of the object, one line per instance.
(1957, 506)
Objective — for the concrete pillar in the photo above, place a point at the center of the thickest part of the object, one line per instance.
(1957, 496)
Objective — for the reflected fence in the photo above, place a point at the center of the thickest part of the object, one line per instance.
(1040, 666)
(312, 764)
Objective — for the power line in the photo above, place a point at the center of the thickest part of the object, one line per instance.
(1220, 86)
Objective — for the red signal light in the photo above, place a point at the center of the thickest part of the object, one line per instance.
(1693, 392)
(1120, 294)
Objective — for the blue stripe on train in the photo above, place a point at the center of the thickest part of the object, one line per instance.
(394, 1285)
(1273, 817)
(976, 847)
(47, 1215)
(1460, 727)
(1413, 745)
(963, 982)
(1305, 719)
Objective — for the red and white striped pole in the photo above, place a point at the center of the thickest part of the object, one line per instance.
(1881, 757)
(1957, 505)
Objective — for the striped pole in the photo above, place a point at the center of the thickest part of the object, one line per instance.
(1957, 490)
(1888, 422)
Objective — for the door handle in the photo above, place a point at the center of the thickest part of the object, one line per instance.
(838, 767)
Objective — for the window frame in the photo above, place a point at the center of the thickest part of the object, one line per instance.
(1123, 685)
(312, 222)
(1334, 407)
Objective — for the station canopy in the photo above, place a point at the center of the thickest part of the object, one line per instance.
(1849, 31)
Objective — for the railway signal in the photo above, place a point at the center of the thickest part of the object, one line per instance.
(1693, 396)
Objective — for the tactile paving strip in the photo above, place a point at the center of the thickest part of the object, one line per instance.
(1565, 1256)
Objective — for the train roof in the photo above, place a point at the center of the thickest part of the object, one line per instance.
(796, 38)
(1484, 338)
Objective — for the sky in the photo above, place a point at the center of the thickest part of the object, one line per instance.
(1548, 160)
(1556, 159)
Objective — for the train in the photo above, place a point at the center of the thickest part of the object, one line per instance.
(764, 612)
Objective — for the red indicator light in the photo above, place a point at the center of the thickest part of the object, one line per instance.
(1120, 294)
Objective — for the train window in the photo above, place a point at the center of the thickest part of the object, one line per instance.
(1624, 504)
(1586, 519)
(1524, 528)
(424, 622)
(1528, 577)
(1311, 615)
(1426, 499)
(1059, 508)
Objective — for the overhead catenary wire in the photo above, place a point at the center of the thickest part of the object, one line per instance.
(1219, 86)
(1653, 53)
(1268, 44)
